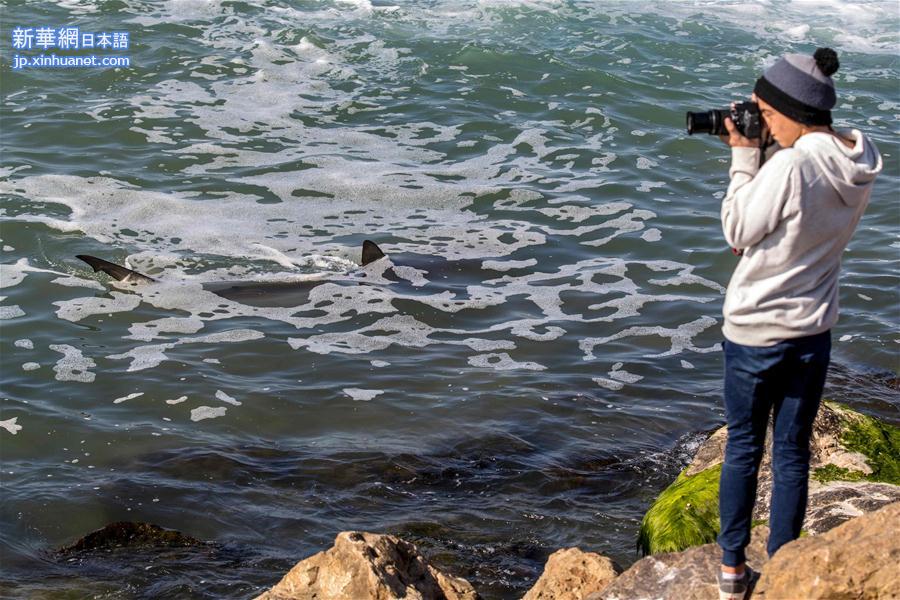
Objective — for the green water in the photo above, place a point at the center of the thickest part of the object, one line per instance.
(542, 359)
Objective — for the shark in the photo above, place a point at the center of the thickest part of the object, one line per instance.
(405, 272)
(263, 294)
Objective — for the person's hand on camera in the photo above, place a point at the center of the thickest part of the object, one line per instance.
(734, 137)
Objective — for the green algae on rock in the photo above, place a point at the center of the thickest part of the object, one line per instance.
(686, 514)
(878, 442)
(836, 473)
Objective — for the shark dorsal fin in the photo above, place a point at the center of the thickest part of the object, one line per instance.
(370, 252)
(117, 272)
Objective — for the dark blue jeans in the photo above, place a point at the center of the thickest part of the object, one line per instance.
(786, 379)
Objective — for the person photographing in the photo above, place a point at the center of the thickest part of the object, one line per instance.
(790, 216)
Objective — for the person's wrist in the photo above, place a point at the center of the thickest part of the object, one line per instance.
(744, 157)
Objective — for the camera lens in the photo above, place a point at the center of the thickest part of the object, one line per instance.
(700, 122)
(711, 122)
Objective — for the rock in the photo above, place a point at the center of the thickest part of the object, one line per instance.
(856, 461)
(126, 534)
(845, 446)
(855, 560)
(835, 503)
(685, 514)
(571, 574)
(368, 566)
(711, 452)
(686, 575)
(829, 444)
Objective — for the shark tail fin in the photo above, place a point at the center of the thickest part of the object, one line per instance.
(370, 252)
(117, 272)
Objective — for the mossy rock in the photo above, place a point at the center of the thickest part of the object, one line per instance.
(686, 514)
(835, 473)
(878, 442)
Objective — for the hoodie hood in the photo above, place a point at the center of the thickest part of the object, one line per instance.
(850, 171)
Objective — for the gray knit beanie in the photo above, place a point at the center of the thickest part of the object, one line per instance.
(800, 86)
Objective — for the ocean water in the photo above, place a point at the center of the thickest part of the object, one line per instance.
(537, 361)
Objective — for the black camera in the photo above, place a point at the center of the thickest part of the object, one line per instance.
(744, 114)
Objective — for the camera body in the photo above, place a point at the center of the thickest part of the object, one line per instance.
(745, 115)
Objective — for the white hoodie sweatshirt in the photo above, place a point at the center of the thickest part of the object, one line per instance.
(793, 218)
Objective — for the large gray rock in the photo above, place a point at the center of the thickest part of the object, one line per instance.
(837, 502)
(368, 566)
(686, 575)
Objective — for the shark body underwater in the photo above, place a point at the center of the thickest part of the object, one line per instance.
(263, 294)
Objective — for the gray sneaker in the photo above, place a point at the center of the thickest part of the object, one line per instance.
(737, 589)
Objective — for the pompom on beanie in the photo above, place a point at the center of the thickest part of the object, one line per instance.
(800, 86)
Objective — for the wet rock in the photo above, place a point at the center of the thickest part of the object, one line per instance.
(141, 560)
(367, 566)
(127, 534)
(855, 560)
(571, 574)
(711, 452)
(686, 575)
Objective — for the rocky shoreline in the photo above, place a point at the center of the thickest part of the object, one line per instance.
(849, 547)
